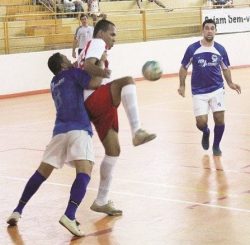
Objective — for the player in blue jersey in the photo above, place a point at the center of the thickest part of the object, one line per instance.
(71, 142)
(208, 59)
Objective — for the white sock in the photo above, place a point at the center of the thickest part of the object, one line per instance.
(129, 101)
(106, 172)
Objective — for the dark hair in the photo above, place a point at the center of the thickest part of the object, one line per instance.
(55, 62)
(208, 21)
(83, 15)
(102, 25)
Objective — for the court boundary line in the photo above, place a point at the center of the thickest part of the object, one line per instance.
(190, 203)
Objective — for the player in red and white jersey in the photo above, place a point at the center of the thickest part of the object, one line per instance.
(102, 105)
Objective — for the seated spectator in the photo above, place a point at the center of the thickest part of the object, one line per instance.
(94, 11)
(79, 5)
(59, 6)
(157, 2)
(69, 6)
(223, 3)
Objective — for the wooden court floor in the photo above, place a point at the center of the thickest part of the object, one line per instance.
(171, 191)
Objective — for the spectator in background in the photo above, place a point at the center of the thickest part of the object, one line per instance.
(94, 10)
(83, 34)
(157, 2)
(223, 3)
(69, 6)
(79, 5)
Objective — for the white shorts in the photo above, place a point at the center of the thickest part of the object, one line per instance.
(67, 147)
(214, 101)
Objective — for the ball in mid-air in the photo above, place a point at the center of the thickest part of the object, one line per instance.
(151, 70)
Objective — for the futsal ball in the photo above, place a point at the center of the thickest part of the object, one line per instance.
(151, 70)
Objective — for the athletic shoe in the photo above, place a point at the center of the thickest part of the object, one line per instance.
(14, 218)
(169, 10)
(142, 137)
(71, 226)
(217, 151)
(205, 140)
(108, 209)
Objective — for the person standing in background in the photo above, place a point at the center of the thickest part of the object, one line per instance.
(82, 36)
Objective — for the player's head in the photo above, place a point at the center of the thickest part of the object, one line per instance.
(84, 19)
(105, 30)
(58, 62)
(208, 21)
(209, 29)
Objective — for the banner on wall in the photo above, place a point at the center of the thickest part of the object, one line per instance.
(229, 20)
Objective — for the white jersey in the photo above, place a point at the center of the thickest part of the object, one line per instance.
(94, 49)
(83, 35)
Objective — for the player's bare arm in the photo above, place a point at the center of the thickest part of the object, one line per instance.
(228, 78)
(92, 67)
(182, 78)
(75, 43)
(95, 82)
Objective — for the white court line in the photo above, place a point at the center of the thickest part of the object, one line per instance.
(161, 108)
(143, 196)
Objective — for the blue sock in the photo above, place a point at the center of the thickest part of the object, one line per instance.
(218, 132)
(77, 193)
(30, 189)
(205, 129)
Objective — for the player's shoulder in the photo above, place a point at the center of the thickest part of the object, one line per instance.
(91, 28)
(97, 42)
(194, 46)
(78, 28)
(218, 45)
(220, 48)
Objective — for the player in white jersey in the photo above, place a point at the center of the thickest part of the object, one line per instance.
(208, 59)
(83, 34)
(102, 107)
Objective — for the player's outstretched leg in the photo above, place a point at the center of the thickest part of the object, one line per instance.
(129, 101)
(142, 137)
(30, 189)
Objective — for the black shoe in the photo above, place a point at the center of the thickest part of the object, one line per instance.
(205, 140)
(217, 151)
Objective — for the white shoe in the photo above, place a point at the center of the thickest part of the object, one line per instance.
(142, 137)
(14, 218)
(71, 226)
(108, 209)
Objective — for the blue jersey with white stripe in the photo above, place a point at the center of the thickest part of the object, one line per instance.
(67, 92)
(207, 64)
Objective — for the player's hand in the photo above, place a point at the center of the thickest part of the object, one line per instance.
(235, 87)
(106, 73)
(104, 56)
(181, 91)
